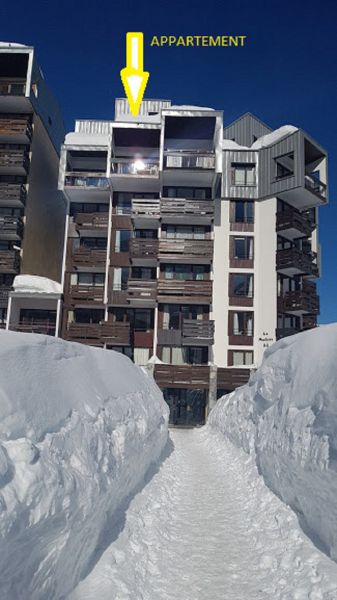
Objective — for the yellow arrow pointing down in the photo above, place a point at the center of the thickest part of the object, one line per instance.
(133, 77)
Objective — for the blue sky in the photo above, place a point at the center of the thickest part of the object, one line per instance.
(286, 73)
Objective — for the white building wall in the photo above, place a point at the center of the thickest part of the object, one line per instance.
(220, 281)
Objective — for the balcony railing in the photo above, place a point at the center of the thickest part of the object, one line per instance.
(315, 185)
(9, 261)
(188, 208)
(171, 250)
(86, 180)
(291, 220)
(141, 290)
(196, 332)
(17, 126)
(173, 290)
(35, 326)
(14, 159)
(4, 295)
(138, 168)
(297, 260)
(105, 333)
(146, 208)
(300, 301)
(11, 225)
(86, 294)
(88, 257)
(96, 220)
(10, 192)
(12, 87)
(189, 160)
(190, 375)
(143, 248)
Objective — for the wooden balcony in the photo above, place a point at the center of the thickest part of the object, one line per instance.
(141, 250)
(142, 292)
(4, 295)
(190, 251)
(181, 210)
(299, 302)
(182, 376)
(292, 225)
(12, 194)
(17, 129)
(85, 294)
(292, 261)
(196, 332)
(11, 227)
(34, 326)
(230, 379)
(9, 261)
(146, 210)
(179, 291)
(92, 221)
(88, 257)
(14, 161)
(116, 334)
(169, 337)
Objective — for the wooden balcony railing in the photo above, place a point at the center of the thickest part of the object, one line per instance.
(15, 126)
(9, 261)
(139, 290)
(85, 294)
(300, 301)
(14, 159)
(11, 225)
(12, 87)
(145, 208)
(143, 248)
(196, 332)
(293, 258)
(98, 220)
(182, 376)
(35, 326)
(171, 250)
(173, 290)
(188, 160)
(289, 220)
(184, 207)
(230, 379)
(104, 332)
(10, 192)
(88, 257)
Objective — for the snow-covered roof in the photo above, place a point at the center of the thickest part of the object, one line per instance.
(231, 145)
(273, 137)
(188, 107)
(33, 284)
(12, 45)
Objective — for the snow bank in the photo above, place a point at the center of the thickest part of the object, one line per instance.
(79, 427)
(287, 416)
(34, 284)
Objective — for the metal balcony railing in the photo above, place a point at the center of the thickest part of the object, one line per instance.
(189, 160)
(86, 180)
(138, 168)
(12, 87)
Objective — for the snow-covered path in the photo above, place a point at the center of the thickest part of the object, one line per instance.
(205, 527)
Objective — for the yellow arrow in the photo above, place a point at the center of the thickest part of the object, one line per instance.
(133, 77)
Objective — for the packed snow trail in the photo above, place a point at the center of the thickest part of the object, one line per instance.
(205, 527)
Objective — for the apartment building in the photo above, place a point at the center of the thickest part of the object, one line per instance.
(32, 210)
(190, 247)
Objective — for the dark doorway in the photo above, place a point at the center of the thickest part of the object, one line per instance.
(187, 407)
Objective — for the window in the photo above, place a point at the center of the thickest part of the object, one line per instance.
(126, 350)
(87, 207)
(185, 232)
(120, 278)
(243, 323)
(243, 174)
(191, 355)
(86, 315)
(143, 319)
(3, 316)
(243, 211)
(95, 279)
(143, 273)
(173, 314)
(186, 272)
(187, 192)
(92, 242)
(241, 284)
(241, 357)
(244, 248)
(141, 356)
(284, 165)
(148, 234)
(122, 240)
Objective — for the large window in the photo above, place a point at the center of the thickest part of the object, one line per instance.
(241, 358)
(284, 165)
(99, 243)
(86, 315)
(243, 323)
(241, 284)
(173, 314)
(244, 248)
(95, 279)
(243, 211)
(87, 207)
(122, 240)
(185, 232)
(243, 174)
(120, 278)
(187, 192)
(148, 234)
(142, 319)
(188, 355)
(143, 273)
(186, 272)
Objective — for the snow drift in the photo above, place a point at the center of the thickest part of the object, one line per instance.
(287, 416)
(79, 428)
